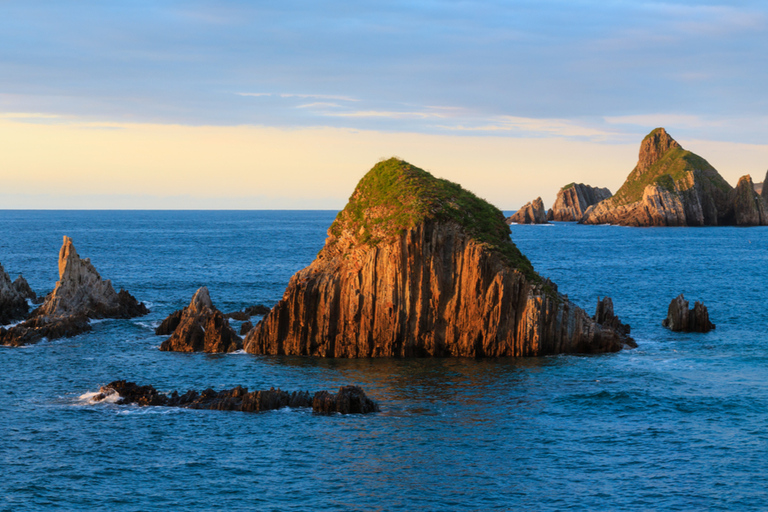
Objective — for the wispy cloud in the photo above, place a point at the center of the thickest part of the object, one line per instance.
(300, 96)
(538, 127)
(319, 104)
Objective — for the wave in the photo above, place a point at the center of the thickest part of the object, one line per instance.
(89, 397)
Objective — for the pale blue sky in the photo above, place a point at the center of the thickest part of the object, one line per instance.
(598, 71)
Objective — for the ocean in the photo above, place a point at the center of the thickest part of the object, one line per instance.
(677, 424)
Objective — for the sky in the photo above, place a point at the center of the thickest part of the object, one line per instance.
(286, 104)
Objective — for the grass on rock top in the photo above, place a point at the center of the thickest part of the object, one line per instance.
(395, 196)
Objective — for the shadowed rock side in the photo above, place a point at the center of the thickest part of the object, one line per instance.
(574, 199)
(749, 209)
(248, 312)
(13, 304)
(604, 315)
(672, 187)
(199, 327)
(764, 188)
(79, 294)
(531, 213)
(680, 318)
(23, 289)
(349, 399)
(416, 266)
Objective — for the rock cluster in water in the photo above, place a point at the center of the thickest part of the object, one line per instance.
(80, 294)
(531, 213)
(13, 298)
(680, 318)
(248, 312)
(199, 327)
(349, 399)
(417, 266)
(674, 187)
(574, 199)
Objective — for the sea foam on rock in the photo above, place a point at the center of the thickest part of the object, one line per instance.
(418, 266)
(80, 294)
(199, 327)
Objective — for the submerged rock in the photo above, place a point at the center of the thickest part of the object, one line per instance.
(248, 312)
(574, 199)
(79, 294)
(680, 318)
(13, 303)
(349, 399)
(417, 266)
(199, 327)
(531, 213)
(673, 187)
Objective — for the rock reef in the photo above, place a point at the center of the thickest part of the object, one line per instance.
(674, 187)
(248, 312)
(349, 399)
(531, 213)
(680, 318)
(574, 199)
(80, 294)
(418, 266)
(199, 327)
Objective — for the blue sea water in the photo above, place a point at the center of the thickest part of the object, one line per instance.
(680, 423)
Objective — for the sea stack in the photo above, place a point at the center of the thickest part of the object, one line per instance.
(764, 188)
(199, 327)
(574, 199)
(680, 318)
(80, 294)
(673, 187)
(13, 303)
(531, 213)
(418, 266)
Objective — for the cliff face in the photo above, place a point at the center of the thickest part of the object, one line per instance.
(574, 199)
(749, 209)
(531, 213)
(421, 267)
(669, 187)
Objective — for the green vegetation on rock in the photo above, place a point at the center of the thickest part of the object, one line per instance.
(395, 196)
(570, 185)
(673, 166)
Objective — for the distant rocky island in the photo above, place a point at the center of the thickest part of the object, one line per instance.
(80, 295)
(674, 187)
(574, 199)
(418, 266)
(531, 213)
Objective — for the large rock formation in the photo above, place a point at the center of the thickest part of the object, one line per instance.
(749, 209)
(531, 213)
(417, 266)
(79, 294)
(349, 399)
(673, 187)
(764, 188)
(199, 327)
(680, 318)
(574, 199)
(13, 303)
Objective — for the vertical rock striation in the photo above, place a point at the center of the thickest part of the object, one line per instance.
(574, 199)
(199, 327)
(749, 209)
(680, 318)
(531, 213)
(416, 266)
(673, 187)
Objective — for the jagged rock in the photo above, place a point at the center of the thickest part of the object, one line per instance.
(349, 399)
(531, 213)
(416, 266)
(749, 209)
(199, 328)
(248, 312)
(246, 327)
(13, 304)
(23, 289)
(669, 187)
(79, 294)
(680, 318)
(604, 315)
(574, 199)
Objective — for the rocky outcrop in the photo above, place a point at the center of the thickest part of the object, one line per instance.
(416, 266)
(79, 294)
(680, 318)
(24, 290)
(248, 312)
(349, 399)
(246, 327)
(670, 187)
(13, 303)
(574, 199)
(531, 213)
(199, 327)
(605, 316)
(764, 188)
(749, 209)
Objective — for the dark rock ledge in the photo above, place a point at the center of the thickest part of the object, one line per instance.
(349, 399)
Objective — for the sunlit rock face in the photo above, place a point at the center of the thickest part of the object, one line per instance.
(531, 213)
(574, 199)
(674, 187)
(417, 266)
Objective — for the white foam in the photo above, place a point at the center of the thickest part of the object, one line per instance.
(109, 398)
